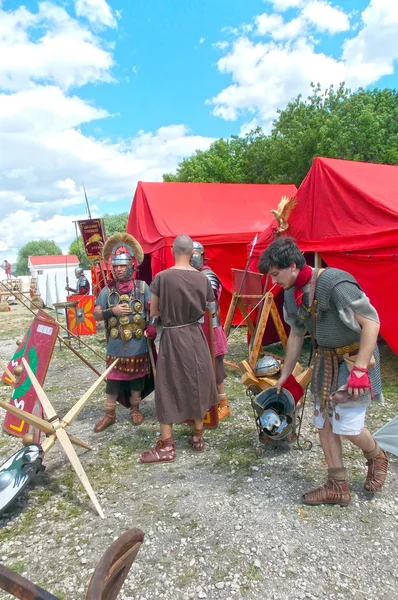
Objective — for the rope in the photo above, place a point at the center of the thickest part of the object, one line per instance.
(231, 335)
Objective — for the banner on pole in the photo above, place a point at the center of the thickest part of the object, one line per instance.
(93, 235)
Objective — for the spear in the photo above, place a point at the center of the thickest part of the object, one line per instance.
(254, 242)
(87, 204)
(66, 268)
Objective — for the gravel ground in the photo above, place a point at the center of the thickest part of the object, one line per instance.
(224, 524)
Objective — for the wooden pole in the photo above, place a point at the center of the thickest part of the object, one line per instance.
(231, 312)
(7, 371)
(262, 322)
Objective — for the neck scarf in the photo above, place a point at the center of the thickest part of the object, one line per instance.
(125, 287)
(303, 278)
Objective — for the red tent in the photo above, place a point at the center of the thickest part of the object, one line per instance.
(224, 217)
(348, 212)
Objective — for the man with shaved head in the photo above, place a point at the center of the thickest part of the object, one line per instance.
(185, 382)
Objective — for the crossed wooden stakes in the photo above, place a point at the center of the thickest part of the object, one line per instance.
(55, 428)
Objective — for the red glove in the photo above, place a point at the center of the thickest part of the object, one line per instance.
(151, 332)
(362, 382)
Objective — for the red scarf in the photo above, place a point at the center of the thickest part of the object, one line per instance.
(303, 278)
(123, 287)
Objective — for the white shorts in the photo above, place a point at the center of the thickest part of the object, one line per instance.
(344, 420)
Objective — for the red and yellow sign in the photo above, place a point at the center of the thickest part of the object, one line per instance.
(93, 235)
(37, 348)
(81, 320)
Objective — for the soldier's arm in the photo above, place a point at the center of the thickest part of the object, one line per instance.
(154, 310)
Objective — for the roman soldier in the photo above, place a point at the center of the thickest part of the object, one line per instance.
(82, 284)
(220, 339)
(123, 305)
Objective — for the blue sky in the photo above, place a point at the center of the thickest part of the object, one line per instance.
(113, 92)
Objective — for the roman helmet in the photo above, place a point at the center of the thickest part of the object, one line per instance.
(78, 272)
(123, 249)
(267, 366)
(275, 414)
(198, 256)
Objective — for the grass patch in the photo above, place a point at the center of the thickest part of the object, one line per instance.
(188, 576)
(19, 566)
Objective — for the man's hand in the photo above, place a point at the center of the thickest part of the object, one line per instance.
(120, 310)
(358, 382)
(280, 383)
(150, 332)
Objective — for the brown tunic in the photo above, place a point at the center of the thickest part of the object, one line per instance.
(185, 382)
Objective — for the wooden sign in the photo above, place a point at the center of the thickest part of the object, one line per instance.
(37, 349)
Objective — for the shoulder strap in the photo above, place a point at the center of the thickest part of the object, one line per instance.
(312, 302)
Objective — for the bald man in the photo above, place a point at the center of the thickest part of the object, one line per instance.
(185, 382)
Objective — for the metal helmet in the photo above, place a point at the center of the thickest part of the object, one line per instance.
(79, 272)
(198, 256)
(266, 366)
(17, 471)
(276, 416)
(122, 249)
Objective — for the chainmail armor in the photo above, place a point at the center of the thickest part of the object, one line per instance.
(335, 290)
(214, 305)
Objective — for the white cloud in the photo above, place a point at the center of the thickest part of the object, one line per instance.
(202, 40)
(98, 12)
(222, 45)
(283, 5)
(47, 154)
(66, 54)
(268, 23)
(372, 53)
(325, 17)
(316, 15)
(267, 74)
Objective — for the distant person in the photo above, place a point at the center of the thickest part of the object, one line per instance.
(7, 268)
(83, 286)
(220, 339)
(185, 387)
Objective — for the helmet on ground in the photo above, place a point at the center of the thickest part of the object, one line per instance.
(276, 417)
(198, 255)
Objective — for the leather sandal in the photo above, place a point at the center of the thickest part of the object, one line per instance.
(107, 420)
(377, 472)
(197, 444)
(333, 491)
(163, 452)
(136, 415)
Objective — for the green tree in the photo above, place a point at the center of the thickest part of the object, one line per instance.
(36, 248)
(335, 123)
(115, 223)
(223, 162)
(77, 247)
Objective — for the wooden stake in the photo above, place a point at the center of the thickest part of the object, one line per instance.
(262, 322)
(231, 312)
(78, 407)
(76, 464)
(37, 422)
(7, 371)
(45, 402)
(246, 316)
